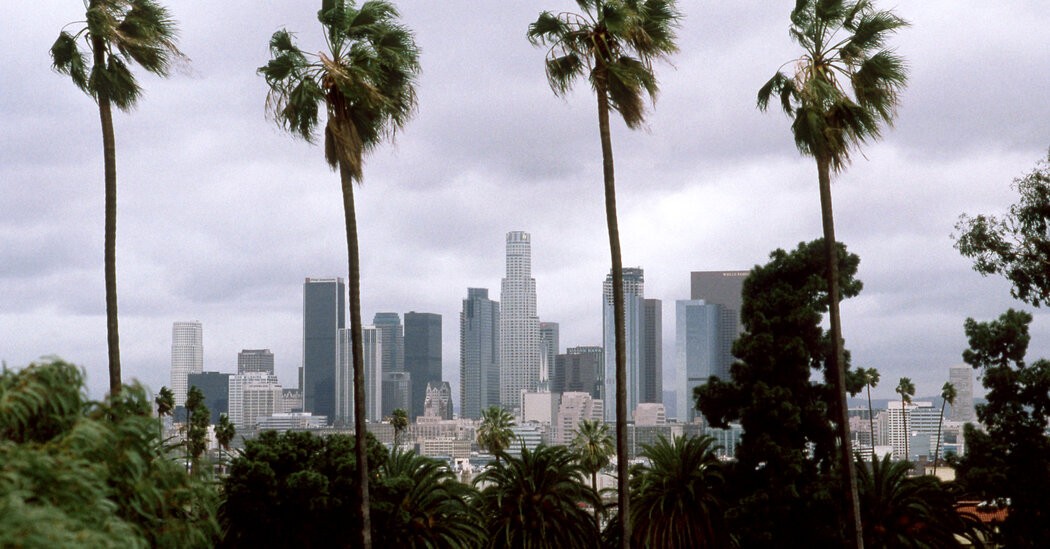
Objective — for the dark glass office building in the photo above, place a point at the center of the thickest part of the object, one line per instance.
(422, 355)
(324, 314)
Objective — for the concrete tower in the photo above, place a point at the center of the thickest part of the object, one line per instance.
(963, 410)
(519, 325)
(187, 356)
(478, 353)
(255, 360)
(634, 328)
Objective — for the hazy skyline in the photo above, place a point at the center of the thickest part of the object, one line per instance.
(222, 215)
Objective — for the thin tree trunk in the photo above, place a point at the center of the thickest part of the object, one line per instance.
(109, 156)
(838, 366)
(871, 426)
(904, 422)
(937, 448)
(622, 485)
(594, 484)
(360, 427)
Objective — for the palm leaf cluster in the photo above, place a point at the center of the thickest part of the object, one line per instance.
(613, 43)
(846, 84)
(82, 473)
(365, 80)
(495, 434)
(676, 497)
(538, 500)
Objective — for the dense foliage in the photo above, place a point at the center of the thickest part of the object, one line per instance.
(78, 473)
(1007, 461)
(1016, 245)
(784, 484)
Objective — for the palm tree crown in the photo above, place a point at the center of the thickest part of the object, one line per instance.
(494, 433)
(845, 83)
(366, 80)
(906, 389)
(538, 500)
(615, 43)
(675, 501)
(118, 32)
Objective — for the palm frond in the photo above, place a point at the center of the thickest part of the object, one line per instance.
(628, 79)
(68, 59)
(147, 34)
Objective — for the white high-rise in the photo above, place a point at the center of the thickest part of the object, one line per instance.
(518, 324)
(963, 409)
(187, 356)
(372, 351)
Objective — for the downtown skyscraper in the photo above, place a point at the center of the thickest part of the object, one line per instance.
(324, 314)
(478, 353)
(422, 355)
(643, 333)
(519, 325)
(187, 357)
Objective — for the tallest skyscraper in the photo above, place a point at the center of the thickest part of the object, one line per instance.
(324, 314)
(519, 326)
(187, 357)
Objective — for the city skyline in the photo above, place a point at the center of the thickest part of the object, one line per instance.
(221, 214)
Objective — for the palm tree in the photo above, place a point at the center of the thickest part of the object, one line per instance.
(613, 43)
(674, 496)
(366, 81)
(844, 86)
(948, 395)
(117, 33)
(399, 420)
(429, 507)
(871, 379)
(165, 402)
(224, 433)
(903, 511)
(593, 447)
(494, 434)
(906, 389)
(538, 501)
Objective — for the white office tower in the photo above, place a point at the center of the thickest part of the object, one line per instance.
(963, 410)
(253, 396)
(518, 324)
(574, 408)
(187, 356)
(916, 421)
(372, 349)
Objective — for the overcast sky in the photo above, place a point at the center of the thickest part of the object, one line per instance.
(222, 215)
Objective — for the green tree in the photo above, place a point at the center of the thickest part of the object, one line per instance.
(948, 395)
(783, 484)
(399, 420)
(1007, 460)
(197, 422)
(78, 473)
(295, 490)
(676, 496)
(613, 43)
(366, 82)
(537, 501)
(165, 402)
(419, 503)
(494, 434)
(224, 433)
(903, 511)
(593, 446)
(117, 33)
(906, 389)
(1016, 245)
(871, 379)
(846, 84)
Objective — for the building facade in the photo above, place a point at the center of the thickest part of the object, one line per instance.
(478, 353)
(700, 351)
(253, 396)
(397, 392)
(372, 354)
(324, 314)
(642, 341)
(963, 410)
(215, 386)
(519, 325)
(422, 355)
(438, 402)
(187, 356)
(255, 360)
(579, 370)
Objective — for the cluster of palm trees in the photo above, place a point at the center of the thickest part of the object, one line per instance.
(843, 88)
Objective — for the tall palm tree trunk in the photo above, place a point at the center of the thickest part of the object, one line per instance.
(838, 369)
(360, 428)
(937, 448)
(871, 425)
(597, 508)
(622, 493)
(904, 428)
(109, 155)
